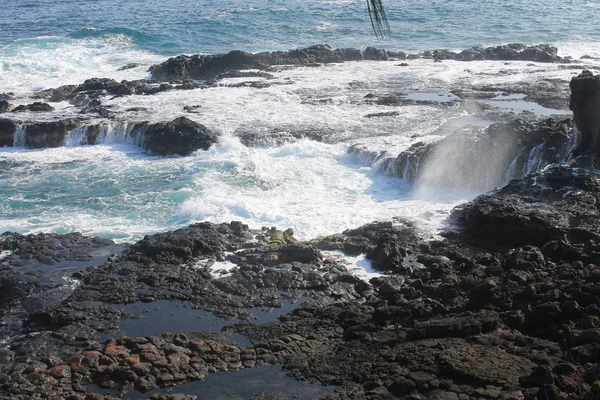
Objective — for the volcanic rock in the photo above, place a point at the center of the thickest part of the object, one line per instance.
(7, 132)
(48, 134)
(181, 136)
(585, 104)
(557, 204)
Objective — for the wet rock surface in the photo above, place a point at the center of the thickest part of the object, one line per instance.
(538, 53)
(560, 205)
(48, 134)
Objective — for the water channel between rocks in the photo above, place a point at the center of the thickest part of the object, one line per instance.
(238, 385)
(166, 316)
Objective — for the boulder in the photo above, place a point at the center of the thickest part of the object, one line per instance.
(181, 136)
(372, 53)
(181, 245)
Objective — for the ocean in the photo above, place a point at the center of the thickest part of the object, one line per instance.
(119, 191)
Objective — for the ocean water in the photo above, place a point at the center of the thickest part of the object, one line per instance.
(117, 190)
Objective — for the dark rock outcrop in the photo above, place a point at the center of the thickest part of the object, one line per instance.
(280, 136)
(209, 66)
(7, 132)
(512, 52)
(559, 204)
(585, 104)
(180, 136)
(48, 134)
(445, 328)
(92, 90)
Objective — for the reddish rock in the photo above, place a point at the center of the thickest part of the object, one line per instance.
(60, 371)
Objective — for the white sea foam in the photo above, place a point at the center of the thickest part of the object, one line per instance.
(579, 46)
(358, 266)
(222, 269)
(45, 62)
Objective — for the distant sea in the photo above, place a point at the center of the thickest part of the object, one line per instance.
(169, 27)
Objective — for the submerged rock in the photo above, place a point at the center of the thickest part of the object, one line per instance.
(281, 136)
(34, 107)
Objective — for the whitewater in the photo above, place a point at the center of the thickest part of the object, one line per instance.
(119, 191)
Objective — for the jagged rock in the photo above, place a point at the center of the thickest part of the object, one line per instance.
(210, 66)
(180, 136)
(280, 254)
(383, 114)
(457, 326)
(372, 53)
(400, 55)
(439, 55)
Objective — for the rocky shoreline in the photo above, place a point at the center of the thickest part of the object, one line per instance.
(514, 284)
(503, 306)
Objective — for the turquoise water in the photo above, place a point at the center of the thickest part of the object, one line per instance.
(176, 26)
